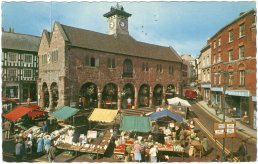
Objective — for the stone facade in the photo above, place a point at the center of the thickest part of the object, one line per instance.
(120, 73)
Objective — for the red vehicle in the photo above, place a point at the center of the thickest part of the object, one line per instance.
(190, 94)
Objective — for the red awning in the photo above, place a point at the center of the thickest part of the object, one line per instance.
(8, 99)
(21, 111)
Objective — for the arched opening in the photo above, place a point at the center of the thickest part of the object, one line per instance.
(128, 96)
(45, 96)
(170, 92)
(109, 96)
(143, 95)
(54, 92)
(157, 95)
(88, 95)
(127, 68)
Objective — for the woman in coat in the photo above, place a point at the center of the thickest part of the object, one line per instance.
(40, 143)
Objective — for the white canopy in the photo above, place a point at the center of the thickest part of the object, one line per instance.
(178, 101)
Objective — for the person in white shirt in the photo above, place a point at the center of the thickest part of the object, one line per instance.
(153, 153)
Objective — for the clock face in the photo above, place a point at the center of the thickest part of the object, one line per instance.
(122, 24)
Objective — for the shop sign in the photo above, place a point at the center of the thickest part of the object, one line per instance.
(224, 130)
(217, 89)
(238, 93)
(206, 85)
(92, 134)
(254, 98)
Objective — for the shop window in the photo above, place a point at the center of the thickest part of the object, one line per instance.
(241, 78)
(12, 91)
(127, 68)
(111, 63)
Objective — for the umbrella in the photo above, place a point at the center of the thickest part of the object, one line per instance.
(178, 101)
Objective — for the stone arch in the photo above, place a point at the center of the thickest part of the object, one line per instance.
(230, 68)
(88, 96)
(170, 92)
(157, 95)
(241, 66)
(45, 94)
(144, 95)
(54, 94)
(110, 96)
(128, 96)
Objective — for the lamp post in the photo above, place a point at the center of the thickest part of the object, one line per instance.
(223, 108)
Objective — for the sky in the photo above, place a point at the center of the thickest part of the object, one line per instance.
(185, 26)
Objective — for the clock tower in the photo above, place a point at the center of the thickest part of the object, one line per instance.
(117, 20)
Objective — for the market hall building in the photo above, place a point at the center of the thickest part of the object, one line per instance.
(82, 67)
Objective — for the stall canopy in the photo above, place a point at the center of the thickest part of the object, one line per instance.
(21, 111)
(103, 115)
(166, 113)
(64, 112)
(5, 99)
(178, 101)
(135, 123)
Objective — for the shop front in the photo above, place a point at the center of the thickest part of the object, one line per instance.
(206, 91)
(254, 101)
(237, 103)
(216, 95)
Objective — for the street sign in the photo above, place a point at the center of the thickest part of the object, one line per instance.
(224, 130)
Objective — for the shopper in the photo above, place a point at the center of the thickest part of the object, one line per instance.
(137, 151)
(242, 151)
(7, 128)
(19, 150)
(51, 153)
(40, 143)
(153, 153)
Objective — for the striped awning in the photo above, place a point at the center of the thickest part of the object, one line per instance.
(103, 115)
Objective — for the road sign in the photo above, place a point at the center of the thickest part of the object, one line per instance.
(224, 130)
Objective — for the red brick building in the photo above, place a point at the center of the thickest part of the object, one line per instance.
(105, 70)
(233, 59)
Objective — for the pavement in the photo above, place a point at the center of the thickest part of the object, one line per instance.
(240, 127)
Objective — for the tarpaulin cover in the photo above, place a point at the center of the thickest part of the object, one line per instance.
(178, 101)
(135, 123)
(103, 115)
(166, 113)
(65, 112)
(21, 111)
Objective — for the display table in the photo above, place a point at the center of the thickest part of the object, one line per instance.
(98, 146)
(171, 149)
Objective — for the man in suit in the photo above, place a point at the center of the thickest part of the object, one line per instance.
(242, 151)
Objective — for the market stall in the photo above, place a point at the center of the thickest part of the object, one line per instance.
(103, 115)
(166, 113)
(64, 113)
(135, 124)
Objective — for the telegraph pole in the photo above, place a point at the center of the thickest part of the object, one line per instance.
(224, 117)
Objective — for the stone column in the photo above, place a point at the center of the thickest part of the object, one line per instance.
(119, 98)
(163, 96)
(51, 108)
(151, 98)
(99, 97)
(135, 97)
